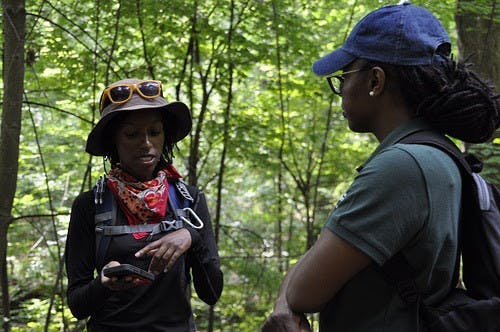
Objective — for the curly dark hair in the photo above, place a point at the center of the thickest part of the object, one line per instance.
(449, 96)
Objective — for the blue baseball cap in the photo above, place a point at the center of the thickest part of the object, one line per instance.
(404, 34)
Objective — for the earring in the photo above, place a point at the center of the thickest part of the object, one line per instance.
(371, 93)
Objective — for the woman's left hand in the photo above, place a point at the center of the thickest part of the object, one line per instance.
(167, 250)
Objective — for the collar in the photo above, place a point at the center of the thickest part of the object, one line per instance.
(396, 135)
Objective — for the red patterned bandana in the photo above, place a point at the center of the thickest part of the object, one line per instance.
(142, 202)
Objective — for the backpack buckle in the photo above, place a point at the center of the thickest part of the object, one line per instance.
(169, 225)
(165, 226)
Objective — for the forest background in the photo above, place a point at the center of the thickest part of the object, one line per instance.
(269, 145)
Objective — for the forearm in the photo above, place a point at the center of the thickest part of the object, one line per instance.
(207, 275)
(85, 293)
(281, 301)
(322, 272)
(86, 299)
(203, 256)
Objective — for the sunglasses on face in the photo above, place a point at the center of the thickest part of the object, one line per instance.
(121, 93)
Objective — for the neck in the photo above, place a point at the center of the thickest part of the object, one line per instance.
(394, 115)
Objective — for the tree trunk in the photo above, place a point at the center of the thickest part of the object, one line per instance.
(195, 138)
(478, 23)
(222, 165)
(478, 37)
(278, 236)
(14, 21)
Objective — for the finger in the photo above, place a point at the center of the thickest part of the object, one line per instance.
(152, 247)
(160, 259)
(172, 261)
(116, 284)
(181, 245)
(104, 279)
(128, 279)
(278, 326)
(112, 263)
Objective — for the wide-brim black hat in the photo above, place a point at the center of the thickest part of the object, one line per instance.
(176, 118)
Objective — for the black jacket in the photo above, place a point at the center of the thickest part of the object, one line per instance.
(163, 305)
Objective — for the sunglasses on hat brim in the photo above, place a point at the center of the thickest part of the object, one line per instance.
(122, 93)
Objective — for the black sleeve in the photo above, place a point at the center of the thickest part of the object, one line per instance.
(203, 256)
(85, 293)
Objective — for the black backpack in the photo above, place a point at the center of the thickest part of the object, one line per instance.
(477, 307)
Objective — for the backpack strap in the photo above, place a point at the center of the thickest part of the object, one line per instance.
(437, 140)
(397, 270)
(106, 216)
(163, 226)
(483, 193)
(182, 207)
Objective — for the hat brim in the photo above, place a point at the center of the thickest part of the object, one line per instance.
(177, 124)
(333, 62)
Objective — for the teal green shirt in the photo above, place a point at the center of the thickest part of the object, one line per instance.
(406, 197)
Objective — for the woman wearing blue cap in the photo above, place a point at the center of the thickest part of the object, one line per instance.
(396, 77)
(135, 242)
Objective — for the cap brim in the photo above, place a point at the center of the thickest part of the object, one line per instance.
(332, 62)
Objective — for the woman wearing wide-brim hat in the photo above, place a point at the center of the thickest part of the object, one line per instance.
(140, 216)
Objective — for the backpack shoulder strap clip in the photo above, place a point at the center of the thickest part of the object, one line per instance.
(99, 190)
(182, 189)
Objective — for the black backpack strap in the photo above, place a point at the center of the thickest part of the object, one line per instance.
(164, 226)
(437, 140)
(181, 201)
(187, 199)
(397, 270)
(105, 216)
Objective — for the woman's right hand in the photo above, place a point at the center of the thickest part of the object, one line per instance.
(118, 283)
(165, 251)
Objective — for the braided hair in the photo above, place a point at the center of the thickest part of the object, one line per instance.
(452, 98)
